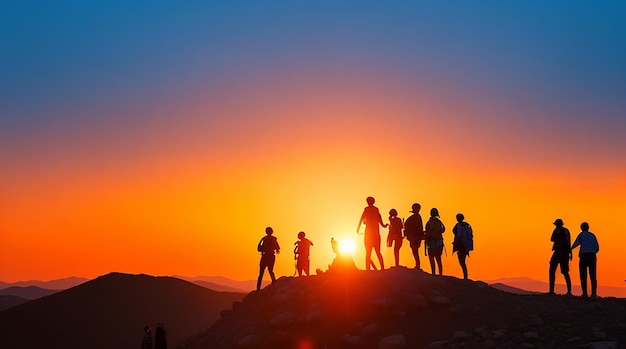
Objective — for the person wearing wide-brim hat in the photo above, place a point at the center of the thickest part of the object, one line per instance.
(561, 255)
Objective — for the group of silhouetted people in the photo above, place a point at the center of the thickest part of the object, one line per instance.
(562, 254)
(431, 233)
(160, 338)
(415, 232)
(269, 247)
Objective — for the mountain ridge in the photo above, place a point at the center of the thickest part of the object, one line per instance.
(111, 311)
(405, 308)
(27, 292)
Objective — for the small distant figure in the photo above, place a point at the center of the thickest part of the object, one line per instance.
(587, 260)
(146, 343)
(372, 219)
(414, 232)
(160, 337)
(434, 240)
(561, 255)
(394, 237)
(267, 246)
(301, 254)
(463, 241)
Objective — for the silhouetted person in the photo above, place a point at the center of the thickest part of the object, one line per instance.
(561, 255)
(372, 219)
(342, 262)
(160, 337)
(434, 240)
(301, 254)
(414, 232)
(267, 246)
(394, 238)
(587, 258)
(146, 343)
(463, 241)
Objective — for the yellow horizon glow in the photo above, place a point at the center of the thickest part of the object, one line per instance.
(194, 198)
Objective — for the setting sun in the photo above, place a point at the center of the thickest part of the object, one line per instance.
(347, 246)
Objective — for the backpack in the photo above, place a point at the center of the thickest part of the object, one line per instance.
(267, 244)
(434, 229)
(464, 239)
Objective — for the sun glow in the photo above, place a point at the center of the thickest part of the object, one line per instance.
(347, 246)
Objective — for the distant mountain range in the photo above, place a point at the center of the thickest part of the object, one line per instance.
(27, 292)
(223, 283)
(520, 285)
(111, 311)
(59, 284)
(16, 295)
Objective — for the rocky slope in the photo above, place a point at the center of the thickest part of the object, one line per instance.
(402, 308)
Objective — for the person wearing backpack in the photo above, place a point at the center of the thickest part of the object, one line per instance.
(267, 246)
(394, 237)
(414, 232)
(434, 240)
(561, 255)
(463, 241)
(301, 254)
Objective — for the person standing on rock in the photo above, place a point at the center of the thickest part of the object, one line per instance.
(561, 255)
(267, 246)
(301, 254)
(414, 232)
(394, 238)
(587, 260)
(463, 241)
(434, 240)
(372, 219)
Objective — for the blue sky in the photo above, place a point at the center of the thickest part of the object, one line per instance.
(61, 54)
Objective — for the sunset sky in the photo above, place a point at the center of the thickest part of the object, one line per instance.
(163, 137)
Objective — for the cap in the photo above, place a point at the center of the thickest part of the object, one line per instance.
(558, 221)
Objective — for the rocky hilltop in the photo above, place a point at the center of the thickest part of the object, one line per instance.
(403, 308)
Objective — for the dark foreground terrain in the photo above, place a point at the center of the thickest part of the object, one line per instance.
(111, 311)
(402, 308)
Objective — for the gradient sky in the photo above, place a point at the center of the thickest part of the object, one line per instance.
(163, 137)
